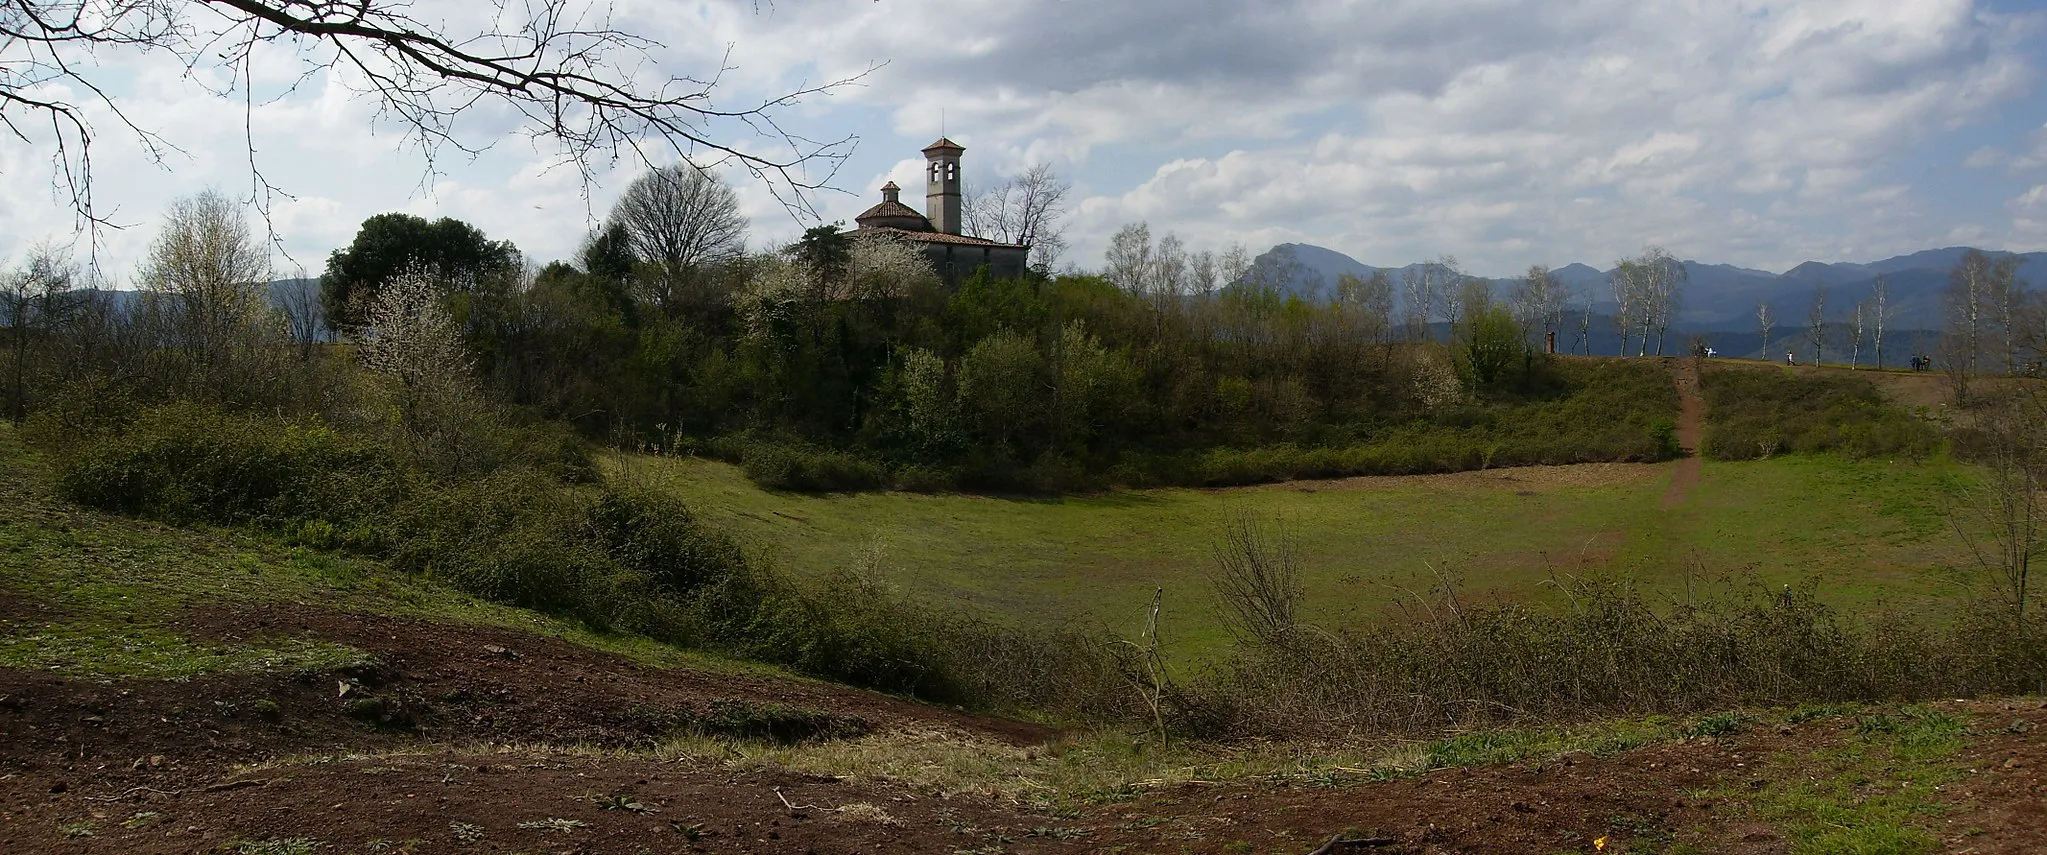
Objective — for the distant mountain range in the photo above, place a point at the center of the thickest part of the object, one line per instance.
(1718, 298)
(282, 294)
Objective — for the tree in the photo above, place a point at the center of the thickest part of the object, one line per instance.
(1024, 209)
(577, 86)
(1662, 287)
(34, 301)
(1858, 330)
(1424, 288)
(205, 276)
(1767, 320)
(2009, 502)
(680, 219)
(456, 256)
(1539, 301)
(1964, 300)
(1816, 323)
(1879, 313)
(1626, 284)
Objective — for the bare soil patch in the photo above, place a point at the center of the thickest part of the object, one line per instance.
(2001, 806)
(1691, 430)
(481, 680)
(484, 744)
(530, 800)
(18, 608)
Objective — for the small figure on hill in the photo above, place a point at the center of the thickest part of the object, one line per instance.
(1790, 358)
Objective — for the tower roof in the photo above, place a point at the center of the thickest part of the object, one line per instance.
(944, 145)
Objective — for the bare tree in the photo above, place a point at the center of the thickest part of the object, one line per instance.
(2006, 294)
(1202, 273)
(1858, 330)
(577, 85)
(1539, 301)
(1257, 581)
(680, 216)
(299, 298)
(1879, 313)
(2009, 503)
(1964, 299)
(34, 301)
(1768, 321)
(1425, 287)
(1625, 282)
(1585, 324)
(1816, 324)
(1024, 209)
(1233, 264)
(682, 220)
(1663, 281)
(1130, 261)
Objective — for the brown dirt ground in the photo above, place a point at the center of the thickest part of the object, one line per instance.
(490, 757)
(1691, 427)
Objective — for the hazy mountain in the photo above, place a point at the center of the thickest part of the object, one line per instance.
(1719, 298)
(282, 294)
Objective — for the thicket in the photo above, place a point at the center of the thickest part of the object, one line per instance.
(844, 363)
(1757, 413)
(1605, 648)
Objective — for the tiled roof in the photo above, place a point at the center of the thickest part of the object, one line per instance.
(941, 237)
(891, 210)
(944, 144)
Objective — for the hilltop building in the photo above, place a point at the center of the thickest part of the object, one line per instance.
(937, 230)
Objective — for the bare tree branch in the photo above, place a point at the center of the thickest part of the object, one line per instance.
(577, 84)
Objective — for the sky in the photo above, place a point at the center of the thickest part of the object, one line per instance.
(1761, 134)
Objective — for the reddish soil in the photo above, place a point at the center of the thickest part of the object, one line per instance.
(1691, 427)
(179, 767)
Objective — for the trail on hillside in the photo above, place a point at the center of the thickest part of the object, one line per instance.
(1691, 423)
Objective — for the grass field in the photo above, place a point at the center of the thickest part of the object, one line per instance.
(1862, 531)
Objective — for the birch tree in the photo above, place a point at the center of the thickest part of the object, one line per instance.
(1857, 331)
(1879, 313)
(1768, 321)
(1816, 324)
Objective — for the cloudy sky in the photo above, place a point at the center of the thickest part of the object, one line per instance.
(1507, 134)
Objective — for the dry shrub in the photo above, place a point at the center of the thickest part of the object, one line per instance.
(1606, 651)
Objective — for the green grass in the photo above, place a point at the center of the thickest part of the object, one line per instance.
(1873, 795)
(1863, 530)
(113, 589)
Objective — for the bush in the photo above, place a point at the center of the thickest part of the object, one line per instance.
(809, 469)
(1605, 652)
(188, 463)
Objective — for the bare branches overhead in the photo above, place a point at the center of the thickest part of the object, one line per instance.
(586, 92)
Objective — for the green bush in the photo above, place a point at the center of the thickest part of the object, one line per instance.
(809, 469)
(188, 463)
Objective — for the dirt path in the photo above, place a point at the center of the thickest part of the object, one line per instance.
(1691, 424)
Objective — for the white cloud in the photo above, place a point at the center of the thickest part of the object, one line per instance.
(1761, 133)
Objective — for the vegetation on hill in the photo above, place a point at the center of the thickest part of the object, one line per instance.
(1761, 411)
(445, 443)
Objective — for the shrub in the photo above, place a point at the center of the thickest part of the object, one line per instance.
(809, 469)
(187, 463)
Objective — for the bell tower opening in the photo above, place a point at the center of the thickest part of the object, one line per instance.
(942, 185)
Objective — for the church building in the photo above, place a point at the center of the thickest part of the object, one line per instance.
(937, 230)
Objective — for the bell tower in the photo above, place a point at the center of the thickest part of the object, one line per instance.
(942, 185)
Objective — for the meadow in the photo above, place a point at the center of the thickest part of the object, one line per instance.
(1856, 531)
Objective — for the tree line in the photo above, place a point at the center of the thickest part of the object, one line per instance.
(842, 359)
